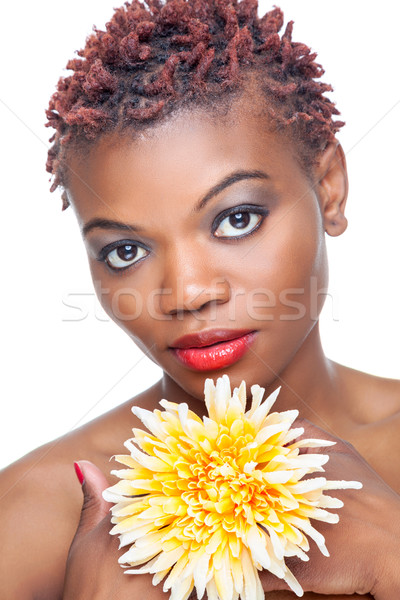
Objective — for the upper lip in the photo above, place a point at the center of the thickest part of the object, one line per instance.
(208, 337)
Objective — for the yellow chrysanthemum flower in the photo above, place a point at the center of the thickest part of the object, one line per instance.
(207, 503)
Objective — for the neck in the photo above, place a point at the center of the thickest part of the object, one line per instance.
(309, 383)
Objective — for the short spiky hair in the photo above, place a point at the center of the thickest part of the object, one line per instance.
(160, 55)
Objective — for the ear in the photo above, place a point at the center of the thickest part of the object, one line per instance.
(332, 188)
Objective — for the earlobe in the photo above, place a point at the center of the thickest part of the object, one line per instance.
(332, 185)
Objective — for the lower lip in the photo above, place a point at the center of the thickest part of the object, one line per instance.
(217, 356)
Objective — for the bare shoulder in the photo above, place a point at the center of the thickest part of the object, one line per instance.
(376, 398)
(40, 506)
(41, 500)
(375, 405)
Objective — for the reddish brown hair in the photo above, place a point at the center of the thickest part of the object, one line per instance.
(156, 57)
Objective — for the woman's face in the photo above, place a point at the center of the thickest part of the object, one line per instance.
(250, 257)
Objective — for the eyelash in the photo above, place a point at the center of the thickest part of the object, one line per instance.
(104, 252)
(242, 209)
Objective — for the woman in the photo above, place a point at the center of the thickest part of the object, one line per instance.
(197, 149)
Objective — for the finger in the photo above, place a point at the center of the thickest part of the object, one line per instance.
(312, 431)
(309, 576)
(271, 583)
(94, 507)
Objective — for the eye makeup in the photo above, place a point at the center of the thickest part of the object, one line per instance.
(230, 225)
(241, 209)
(110, 249)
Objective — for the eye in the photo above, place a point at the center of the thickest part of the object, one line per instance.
(239, 221)
(121, 255)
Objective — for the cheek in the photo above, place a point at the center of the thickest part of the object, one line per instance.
(289, 268)
(122, 302)
(132, 307)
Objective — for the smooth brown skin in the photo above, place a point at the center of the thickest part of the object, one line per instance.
(155, 181)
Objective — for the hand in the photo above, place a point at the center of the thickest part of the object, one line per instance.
(364, 546)
(92, 569)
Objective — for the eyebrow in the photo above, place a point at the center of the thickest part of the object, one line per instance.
(99, 223)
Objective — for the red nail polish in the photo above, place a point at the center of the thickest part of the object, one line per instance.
(79, 473)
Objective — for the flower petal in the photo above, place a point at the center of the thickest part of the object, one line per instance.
(206, 503)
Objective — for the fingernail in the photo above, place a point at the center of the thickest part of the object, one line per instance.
(79, 473)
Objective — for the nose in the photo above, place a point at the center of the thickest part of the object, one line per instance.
(191, 281)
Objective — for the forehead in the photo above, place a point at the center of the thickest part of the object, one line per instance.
(181, 157)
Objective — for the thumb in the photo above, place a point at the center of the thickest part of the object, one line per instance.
(94, 507)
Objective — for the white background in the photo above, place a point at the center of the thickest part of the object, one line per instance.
(58, 373)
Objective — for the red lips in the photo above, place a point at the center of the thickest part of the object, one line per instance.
(213, 349)
(206, 338)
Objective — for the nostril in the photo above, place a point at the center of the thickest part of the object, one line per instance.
(193, 297)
